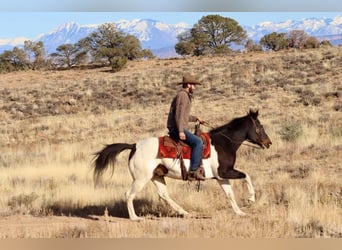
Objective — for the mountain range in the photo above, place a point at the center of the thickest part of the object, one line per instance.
(161, 37)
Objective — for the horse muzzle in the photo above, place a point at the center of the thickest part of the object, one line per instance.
(266, 143)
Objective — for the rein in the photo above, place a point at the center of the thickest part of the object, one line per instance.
(206, 124)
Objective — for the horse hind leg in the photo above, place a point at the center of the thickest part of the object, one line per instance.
(160, 184)
(136, 187)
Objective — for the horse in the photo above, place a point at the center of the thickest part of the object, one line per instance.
(225, 140)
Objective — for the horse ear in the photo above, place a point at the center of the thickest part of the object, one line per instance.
(254, 113)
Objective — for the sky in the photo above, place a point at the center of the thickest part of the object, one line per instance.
(31, 24)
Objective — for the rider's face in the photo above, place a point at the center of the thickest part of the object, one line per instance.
(192, 87)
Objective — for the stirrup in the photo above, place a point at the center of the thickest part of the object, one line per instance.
(195, 175)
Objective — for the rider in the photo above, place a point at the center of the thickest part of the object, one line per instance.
(177, 124)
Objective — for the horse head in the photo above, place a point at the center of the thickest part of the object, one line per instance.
(256, 134)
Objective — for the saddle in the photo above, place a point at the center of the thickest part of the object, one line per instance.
(169, 148)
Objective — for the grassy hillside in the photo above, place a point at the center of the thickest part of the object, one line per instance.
(52, 122)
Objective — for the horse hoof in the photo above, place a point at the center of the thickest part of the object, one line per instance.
(137, 218)
(251, 199)
(241, 213)
(188, 216)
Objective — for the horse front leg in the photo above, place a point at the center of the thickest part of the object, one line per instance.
(250, 188)
(228, 190)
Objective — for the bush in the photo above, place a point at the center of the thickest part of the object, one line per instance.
(118, 63)
(291, 131)
(335, 130)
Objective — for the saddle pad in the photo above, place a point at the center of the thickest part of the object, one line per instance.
(168, 147)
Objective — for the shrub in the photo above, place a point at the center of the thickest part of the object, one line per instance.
(118, 63)
(291, 131)
(22, 200)
(335, 130)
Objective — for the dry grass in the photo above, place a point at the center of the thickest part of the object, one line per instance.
(52, 122)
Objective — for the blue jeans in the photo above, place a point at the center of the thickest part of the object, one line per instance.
(194, 142)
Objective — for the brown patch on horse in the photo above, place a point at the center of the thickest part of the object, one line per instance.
(160, 170)
(230, 173)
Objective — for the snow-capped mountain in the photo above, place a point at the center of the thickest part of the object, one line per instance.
(67, 33)
(161, 37)
(317, 27)
(153, 35)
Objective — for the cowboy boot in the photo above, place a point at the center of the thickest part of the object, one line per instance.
(196, 174)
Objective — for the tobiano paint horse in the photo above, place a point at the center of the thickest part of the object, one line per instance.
(224, 143)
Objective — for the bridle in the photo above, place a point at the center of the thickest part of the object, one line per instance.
(257, 131)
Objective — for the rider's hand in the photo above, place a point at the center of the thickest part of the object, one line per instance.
(201, 121)
(182, 136)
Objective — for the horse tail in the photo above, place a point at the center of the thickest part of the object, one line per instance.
(107, 157)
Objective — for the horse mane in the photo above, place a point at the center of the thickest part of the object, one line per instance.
(230, 126)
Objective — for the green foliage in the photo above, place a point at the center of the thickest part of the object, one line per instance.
(222, 49)
(290, 131)
(146, 53)
(326, 43)
(14, 60)
(106, 45)
(131, 47)
(22, 201)
(112, 46)
(297, 38)
(185, 46)
(252, 46)
(36, 54)
(211, 34)
(32, 56)
(311, 43)
(274, 41)
(118, 63)
(335, 129)
(69, 55)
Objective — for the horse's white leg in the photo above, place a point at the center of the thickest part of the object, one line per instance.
(136, 187)
(227, 188)
(164, 194)
(250, 188)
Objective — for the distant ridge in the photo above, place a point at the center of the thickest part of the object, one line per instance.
(161, 37)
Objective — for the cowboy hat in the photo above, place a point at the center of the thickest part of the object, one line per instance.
(189, 79)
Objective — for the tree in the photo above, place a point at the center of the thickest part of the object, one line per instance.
(297, 39)
(326, 43)
(311, 43)
(211, 34)
(69, 55)
(112, 46)
(146, 53)
(131, 47)
(274, 41)
(185, 46)
(35, 52)
(12, 60)
(252, 46)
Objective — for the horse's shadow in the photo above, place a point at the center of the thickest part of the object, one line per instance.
(117, 209)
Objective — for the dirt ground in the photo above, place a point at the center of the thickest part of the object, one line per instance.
(28, 226)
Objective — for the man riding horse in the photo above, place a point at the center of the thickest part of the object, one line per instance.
(177, 124)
